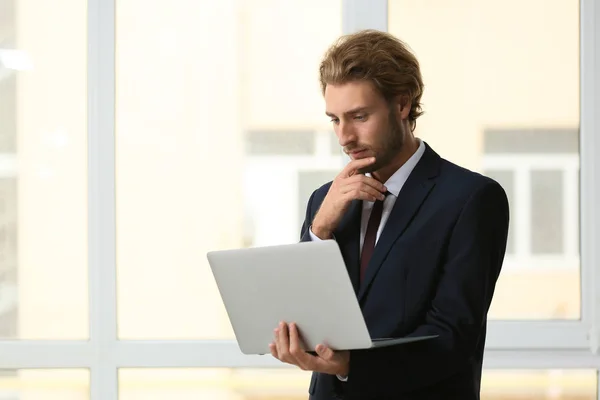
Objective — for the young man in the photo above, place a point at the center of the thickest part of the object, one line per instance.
(423, 239)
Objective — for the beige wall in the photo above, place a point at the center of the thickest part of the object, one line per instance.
(491, 64)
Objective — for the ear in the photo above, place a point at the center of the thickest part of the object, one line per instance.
(403, 106)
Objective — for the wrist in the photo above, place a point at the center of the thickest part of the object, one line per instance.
(321, 230)
(344, 369)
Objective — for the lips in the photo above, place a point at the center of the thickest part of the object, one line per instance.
(357, 153)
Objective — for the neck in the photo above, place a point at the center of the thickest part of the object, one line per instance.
(408, 149)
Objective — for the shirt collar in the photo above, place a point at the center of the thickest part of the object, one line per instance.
(398, 179)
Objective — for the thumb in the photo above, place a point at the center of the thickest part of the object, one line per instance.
(324, 352)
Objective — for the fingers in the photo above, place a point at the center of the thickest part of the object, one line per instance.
(324, 352)
(347, 186)
(294, 339)
(367, 181)
(361, 187)
(273, 348)
(282, 343)
(288, 348)
(284, 336)
(362, 192)
(353, 166)
(302, 359)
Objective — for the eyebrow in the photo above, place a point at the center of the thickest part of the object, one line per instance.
(349, 112)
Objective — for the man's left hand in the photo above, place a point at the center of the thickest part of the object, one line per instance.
(287, 348)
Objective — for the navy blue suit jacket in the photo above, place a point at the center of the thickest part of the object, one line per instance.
(433, 272)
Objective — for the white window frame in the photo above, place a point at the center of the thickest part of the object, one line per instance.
(511, 344)
(521, 165)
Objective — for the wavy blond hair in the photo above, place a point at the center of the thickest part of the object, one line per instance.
(380, 58)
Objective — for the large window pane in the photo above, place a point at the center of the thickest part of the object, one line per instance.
(43, 170)
(45, 384)
(292, 384)
(502, 98)
(547, 212)
(220, 123)
(539, 384)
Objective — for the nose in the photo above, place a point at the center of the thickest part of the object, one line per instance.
(345, 134)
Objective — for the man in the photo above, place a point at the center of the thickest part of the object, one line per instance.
(440, 233)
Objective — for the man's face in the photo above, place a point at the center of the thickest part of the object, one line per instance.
(364, 123)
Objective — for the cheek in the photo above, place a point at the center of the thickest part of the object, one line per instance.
(373, 134)
(366, 129)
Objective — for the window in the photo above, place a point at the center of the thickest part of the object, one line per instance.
(545, 165)
(210, 144)
(287, 384)
(539, 169)
(43, 171)
(302, 171)
(8, 258)
(149, 133)
(45, 384)
(487, 108)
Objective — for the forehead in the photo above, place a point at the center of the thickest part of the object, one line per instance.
(351, 95)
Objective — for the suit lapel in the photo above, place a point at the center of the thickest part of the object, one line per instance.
(349, 239)
(414, 192)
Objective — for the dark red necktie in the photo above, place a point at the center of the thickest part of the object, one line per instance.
(370, 236)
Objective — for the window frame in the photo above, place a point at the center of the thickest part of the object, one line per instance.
(521, 165)
(510, 344)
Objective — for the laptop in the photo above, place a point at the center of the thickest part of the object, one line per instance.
(306, 283)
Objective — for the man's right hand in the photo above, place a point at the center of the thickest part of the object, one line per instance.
(347, 186)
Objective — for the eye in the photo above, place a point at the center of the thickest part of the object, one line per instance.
(360, 117)
(335, 120)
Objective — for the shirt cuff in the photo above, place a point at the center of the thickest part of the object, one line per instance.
(315, 238)
(342, 378)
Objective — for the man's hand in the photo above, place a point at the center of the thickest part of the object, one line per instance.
(347, 186)
(287, 348)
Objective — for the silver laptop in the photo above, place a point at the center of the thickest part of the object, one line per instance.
(306, 283)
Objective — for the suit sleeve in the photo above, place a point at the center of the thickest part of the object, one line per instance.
(458, 310)
(305, 235)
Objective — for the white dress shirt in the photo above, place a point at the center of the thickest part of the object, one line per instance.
(394, 184)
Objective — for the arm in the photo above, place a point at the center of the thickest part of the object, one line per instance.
(307, 234)
(458, 310)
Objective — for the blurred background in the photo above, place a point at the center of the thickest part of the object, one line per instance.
(221, 137)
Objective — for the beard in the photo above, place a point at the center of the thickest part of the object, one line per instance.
(390, 144)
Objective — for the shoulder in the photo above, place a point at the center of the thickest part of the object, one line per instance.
(466, 186)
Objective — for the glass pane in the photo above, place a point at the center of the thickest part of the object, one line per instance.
(487, 108)
(292, 384)
(43, 170)
(45, 384)
(204, 127)
(547, 212)
(539, 385)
